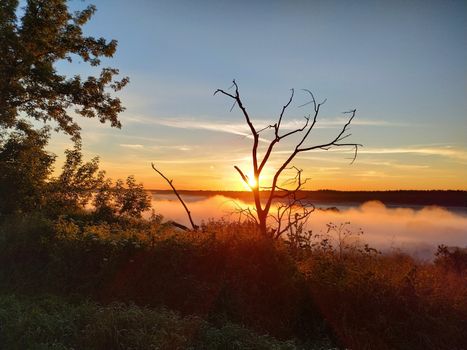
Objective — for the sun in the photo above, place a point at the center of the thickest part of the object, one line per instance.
(252, 182)
(249, 182)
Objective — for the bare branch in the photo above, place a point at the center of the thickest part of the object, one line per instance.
(244, 177)
(255, 134)
(233, 106)
(170, 182)
(313, 100)
(288, 206)
(266, 127)
(296, 130)
(176, 224)
(334, 142)
(244, 211)
(283, 111)
(276, 140)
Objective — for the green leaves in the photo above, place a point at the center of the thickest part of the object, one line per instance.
(24, 168)
(30, 48)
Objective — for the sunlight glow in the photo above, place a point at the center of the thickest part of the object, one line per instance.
(252, 182)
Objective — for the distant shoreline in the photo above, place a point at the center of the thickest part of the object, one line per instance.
(450, 198)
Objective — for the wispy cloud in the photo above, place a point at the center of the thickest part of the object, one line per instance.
(184, 148)
(394, 165)
(131, 146)
(242, 129)
(198, 160)
(183, 123)
(447, 151)
(456, 154)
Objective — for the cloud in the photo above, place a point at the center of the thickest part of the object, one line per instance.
(446, 151)
(131, 146)
(242, 129)
(183, 148)
(192, 123)
(395, 165)
(199, 160)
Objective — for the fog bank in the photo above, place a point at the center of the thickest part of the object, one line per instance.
(417, 232)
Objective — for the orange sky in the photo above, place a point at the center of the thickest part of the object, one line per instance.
(206, 160)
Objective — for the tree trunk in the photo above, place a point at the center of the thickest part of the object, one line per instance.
(263, 229)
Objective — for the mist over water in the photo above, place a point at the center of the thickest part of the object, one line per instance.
(414, 231)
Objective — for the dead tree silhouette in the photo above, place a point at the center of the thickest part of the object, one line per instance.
(291, 208)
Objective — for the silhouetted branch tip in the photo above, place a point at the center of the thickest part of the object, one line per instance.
(233, 105)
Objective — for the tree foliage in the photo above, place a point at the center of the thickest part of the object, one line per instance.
(34, 39)
(83, 185)
(24, 168)
(74, 187)
(124, 199)
(131, 200)
(27, 184)
(30, 48)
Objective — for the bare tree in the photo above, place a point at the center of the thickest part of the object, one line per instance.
(290, 205)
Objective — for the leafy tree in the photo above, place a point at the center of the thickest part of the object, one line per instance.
(103, 199)
(131, 200)
(125, 199)
(24, 168)
(74, 187)
(26, 184)
(30, 48)
(47, 33)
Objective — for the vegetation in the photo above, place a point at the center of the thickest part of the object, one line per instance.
(24, 168)
(53, 323)
(30, 48)
(81, 269)
(227, 273)
(27, 184)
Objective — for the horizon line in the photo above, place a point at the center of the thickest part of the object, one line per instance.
(322, 190)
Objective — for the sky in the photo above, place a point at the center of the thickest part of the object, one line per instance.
(401, 64)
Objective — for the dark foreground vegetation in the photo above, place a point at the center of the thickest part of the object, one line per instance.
(52, 323)
(80, 282)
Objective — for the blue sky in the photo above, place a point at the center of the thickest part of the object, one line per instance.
(401, 64)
